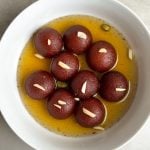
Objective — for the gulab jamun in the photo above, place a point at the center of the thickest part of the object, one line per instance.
(65, 66)
(61, 104)
(48, 42)
(114, 86)
(39, 84)
(77, 39)
(85, 84)
(90, 112)
(101, 56)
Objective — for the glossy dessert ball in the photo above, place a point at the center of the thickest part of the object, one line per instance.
(114, 86)
(90, 113)
(85, 84)
(48, 42)
(65, 66)
(101, 56)
(39, 84)
(61, 104)
(77, 39)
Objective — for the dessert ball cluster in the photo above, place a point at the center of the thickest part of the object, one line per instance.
(79, 97)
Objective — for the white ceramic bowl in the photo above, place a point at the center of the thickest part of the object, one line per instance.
(15, 39)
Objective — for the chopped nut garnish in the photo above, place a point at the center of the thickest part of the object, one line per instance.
(105, 27)
(77, 99)
(61, 102)
(38, 56)
(81, 35)
(49, 42)
(98, 128)
(61, 84)
(63, 65)
(39, 87)
(84, 87)
(103, 50)
(89, 113)
(130, 54)
(63, 48)
(127, 94)
(120, 89)
(95, 95)
(58, 106)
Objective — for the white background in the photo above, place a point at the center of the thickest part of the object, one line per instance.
(8, 10)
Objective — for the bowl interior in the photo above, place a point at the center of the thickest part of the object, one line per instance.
(14, 41)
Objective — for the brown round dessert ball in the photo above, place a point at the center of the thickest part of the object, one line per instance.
(101, 56)
(85, 84)
(90, 113)
(61, 104)
(39, 84)
(65, 66)
(114, 86)
(77, 39)
(48, 42)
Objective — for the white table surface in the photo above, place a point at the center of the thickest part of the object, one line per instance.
(8, 140)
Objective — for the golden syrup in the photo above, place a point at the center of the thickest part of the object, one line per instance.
(28, 63)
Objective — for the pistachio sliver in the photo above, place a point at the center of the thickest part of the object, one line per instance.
(105, 27)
